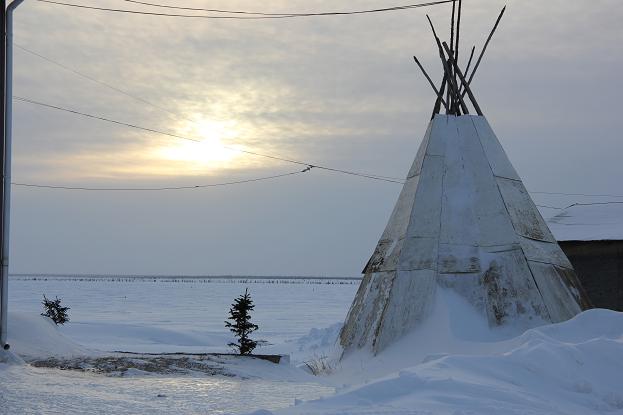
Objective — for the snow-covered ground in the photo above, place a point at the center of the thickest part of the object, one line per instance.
(575, 367)
(183, 314)
(452, 364)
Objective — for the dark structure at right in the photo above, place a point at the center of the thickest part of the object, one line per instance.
(591, 235)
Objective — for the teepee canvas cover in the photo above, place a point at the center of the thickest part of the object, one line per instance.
(463, 221)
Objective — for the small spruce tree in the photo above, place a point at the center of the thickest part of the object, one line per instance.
(54, 310)
(241, 325)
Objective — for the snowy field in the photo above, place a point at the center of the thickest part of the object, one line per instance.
(452, 364)
(169, 315)
(183, 314)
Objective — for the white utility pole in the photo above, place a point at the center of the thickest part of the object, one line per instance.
(8, 107)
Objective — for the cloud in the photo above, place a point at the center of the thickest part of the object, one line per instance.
(339, 91)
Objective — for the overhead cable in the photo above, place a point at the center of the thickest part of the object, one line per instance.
(247, 15)
(152, 130)
(580, 204)
(153, 189)
(144, 101)
(594, 204)
(291, 14)
(575, 194)
(97, 81)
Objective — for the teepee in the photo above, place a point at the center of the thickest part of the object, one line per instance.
(463, 221)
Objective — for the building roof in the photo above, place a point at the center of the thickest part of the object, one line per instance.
(589, 222)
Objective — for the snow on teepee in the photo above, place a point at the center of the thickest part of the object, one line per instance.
(463, 221)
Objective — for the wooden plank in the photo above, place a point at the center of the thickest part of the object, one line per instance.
(410, 302)
(546, 252)
(416, 167)
(362, 321)
(467, 286)
(510, 292)
(399, 220)
(377, 261)
(473, 212)
(458, 259)
(561, 303)
(496, 156)
(418, 253)
(458, 218)
(426, 211)
(525, 216)
(442, 126)
(392, 256)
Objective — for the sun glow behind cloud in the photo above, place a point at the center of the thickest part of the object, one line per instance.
(215, 150)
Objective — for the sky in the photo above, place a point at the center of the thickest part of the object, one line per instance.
(338, 91)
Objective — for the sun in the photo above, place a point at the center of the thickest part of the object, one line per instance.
(211, 151)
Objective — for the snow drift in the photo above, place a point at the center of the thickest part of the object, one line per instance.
(573, 367)
(34, 336)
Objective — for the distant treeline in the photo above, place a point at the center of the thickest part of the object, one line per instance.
(187, 279)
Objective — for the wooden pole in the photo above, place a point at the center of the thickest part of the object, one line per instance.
(469, 64)
(446, 75)
(484, 49)
(4, 279)
(452, 82)
(452, 87)
(451, 99)
(437, 107)
(430, 81)
(456, 48)
(452, 25)
(462, 78)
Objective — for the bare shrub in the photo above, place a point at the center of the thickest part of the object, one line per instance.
(320, 365)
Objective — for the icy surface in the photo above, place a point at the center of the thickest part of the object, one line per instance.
(25, 390)
(589, 223)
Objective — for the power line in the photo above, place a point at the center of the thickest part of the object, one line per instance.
(97, 81)
(153, 189)
(151, 130)
(248, 15)
(574, 194)
(594, 203)
(200, 9)
(100, 118)
(310, 165)
(580, 204)
(142, 100)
